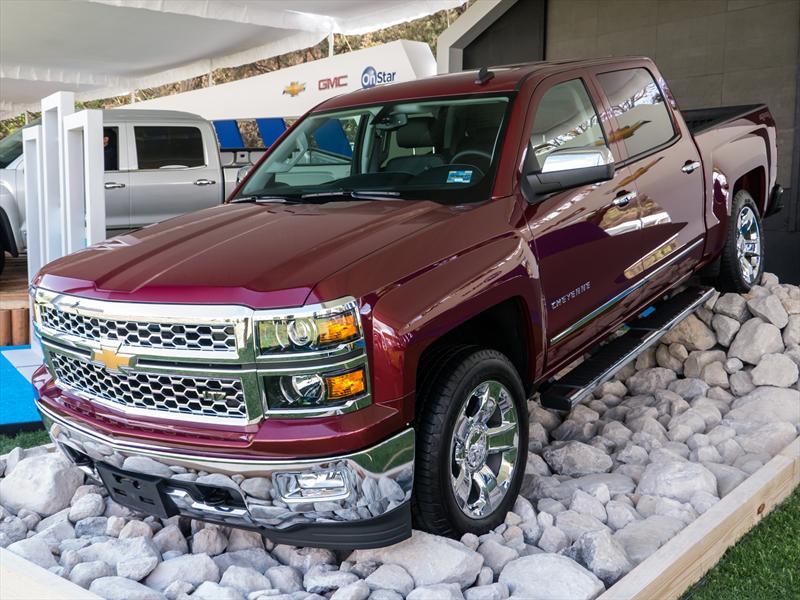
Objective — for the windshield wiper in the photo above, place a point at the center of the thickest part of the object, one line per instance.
(355, 194)
(261, 198)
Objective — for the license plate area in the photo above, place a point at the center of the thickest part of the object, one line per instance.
(138, 491)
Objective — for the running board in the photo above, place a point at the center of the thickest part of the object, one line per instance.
(642, 333)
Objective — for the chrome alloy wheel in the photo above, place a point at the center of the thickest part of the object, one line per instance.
(748, 244)
(483, 449)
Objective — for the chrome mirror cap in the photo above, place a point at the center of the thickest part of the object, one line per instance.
(569, 159)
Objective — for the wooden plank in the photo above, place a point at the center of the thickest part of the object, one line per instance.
(21, 579)
(19, 326)
(5, 327)
(683, 560)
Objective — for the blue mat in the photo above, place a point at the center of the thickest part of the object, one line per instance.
(16, 395)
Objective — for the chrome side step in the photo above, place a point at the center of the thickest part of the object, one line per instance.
(642, 333)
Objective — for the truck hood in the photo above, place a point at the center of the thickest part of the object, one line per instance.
(260, 255)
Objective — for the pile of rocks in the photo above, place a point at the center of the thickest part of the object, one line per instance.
(604, 488)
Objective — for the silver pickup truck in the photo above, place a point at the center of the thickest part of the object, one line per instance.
(158, 164)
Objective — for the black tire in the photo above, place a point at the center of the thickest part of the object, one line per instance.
(731, 278)
(434, 505)
(2, 260)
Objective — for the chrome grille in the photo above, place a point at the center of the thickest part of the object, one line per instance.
(175, 336)
(200, 396)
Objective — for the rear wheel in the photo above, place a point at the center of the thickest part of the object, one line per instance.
(471, 445)
(742, 260)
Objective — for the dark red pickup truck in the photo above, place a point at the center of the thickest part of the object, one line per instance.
(353, 338)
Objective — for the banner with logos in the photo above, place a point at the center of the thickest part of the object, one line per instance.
(290, 92)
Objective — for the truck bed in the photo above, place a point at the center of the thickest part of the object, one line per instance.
(701, 119)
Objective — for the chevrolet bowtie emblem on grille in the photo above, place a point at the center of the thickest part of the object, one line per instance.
(111, 359)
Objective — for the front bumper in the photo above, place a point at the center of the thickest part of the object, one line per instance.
(356, 500)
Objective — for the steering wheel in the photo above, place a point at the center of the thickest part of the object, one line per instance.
(481, 153)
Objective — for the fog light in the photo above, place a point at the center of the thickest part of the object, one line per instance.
(332, 484)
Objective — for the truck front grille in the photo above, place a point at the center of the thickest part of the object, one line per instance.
(189, 395)
(172, 336)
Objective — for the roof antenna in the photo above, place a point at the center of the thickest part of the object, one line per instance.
(484, 76)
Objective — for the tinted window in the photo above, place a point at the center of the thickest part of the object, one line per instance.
(565, 118)
(169, 147)
(638, 105)
(111, 148)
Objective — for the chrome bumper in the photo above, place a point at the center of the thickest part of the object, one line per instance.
(372, 486)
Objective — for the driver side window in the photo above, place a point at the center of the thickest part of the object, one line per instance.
(565, 118)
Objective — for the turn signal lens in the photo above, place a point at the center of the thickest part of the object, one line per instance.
(339, 328)
(346, 385)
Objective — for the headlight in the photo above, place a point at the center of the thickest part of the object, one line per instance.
(315, 390)
(322, 329)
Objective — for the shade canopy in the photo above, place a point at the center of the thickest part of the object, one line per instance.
(103, 48)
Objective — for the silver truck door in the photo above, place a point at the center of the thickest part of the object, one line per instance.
(175, 170)
(116, 158)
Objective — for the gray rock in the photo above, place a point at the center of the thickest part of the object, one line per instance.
(725, 329)
(114, 525)
(755, 339)
(714, 374)
(324, 578)
(531, 531)
(244, 579)
(437, 591)
(429, 559)
(375, 595)
(768, 439)
(575, 524)
(286, 579)
(586, 504)
(303, 558)
(144, 464)
(120, 588)
(496, 555)
(192, 568)
(620, 514)
(524, 509)
(791, 333)
(133, 557)
(633, 454)
(650, 380)
(733, 365)
(209, 540)
(769, 309)
(35, 550)
(728, 478)
(83, 574)
(92, 526)
(169, 539)
(733, 306)
(88, 505)
(492, 591)
(599, 552)
(764, 405)
(257, 487)
(470, 540)
(391, 577)
(551, 506)
(693, 366)
(255, 558)
(550, 576)
(640, 539)
(702, 501)
(358, 590)
(577, 458)
(741, 383)
(775, 369)
(135, 528)
(676, 480)
(241, 539)
(485, 577)
(13, 529)
(691, 333)
(210, 590)
(665, 358)
(44, 484)
(175, 589)
(55, 535)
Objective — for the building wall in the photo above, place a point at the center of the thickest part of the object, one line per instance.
(712, 52)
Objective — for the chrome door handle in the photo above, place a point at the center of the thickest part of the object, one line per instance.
(205, 182)
(690, 166)
(113, 185)
(623, 198)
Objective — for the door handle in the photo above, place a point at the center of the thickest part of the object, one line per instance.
(113, 185)
(690, 166)
(623, 198)
(205, 182)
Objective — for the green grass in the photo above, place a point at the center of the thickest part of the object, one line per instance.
(26, 439)
(764, 565)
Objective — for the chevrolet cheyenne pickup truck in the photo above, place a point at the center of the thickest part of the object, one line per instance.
(351, 341)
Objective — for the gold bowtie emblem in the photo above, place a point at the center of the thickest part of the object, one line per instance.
(112, 360)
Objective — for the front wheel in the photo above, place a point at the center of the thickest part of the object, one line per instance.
(472, 439)
(742, 260)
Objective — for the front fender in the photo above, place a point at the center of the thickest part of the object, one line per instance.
(410, 317)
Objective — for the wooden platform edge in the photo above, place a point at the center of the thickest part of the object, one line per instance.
(683, 560)
(21, 579)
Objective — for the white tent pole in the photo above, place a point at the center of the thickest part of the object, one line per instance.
(34, 217)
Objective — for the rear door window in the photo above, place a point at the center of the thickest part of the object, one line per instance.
(168, 147)
(638, 105)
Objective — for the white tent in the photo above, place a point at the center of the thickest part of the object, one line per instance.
(102, 48)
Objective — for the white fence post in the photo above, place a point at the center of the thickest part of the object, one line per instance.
(54, 108)
(84, 195)
(34, 216)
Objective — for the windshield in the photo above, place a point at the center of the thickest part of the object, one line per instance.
(442, 149)
(10, 148)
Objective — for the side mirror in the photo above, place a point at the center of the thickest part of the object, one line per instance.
(242, 173)
(565, 169)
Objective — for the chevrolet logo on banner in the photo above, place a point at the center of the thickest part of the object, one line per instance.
(111, 359)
